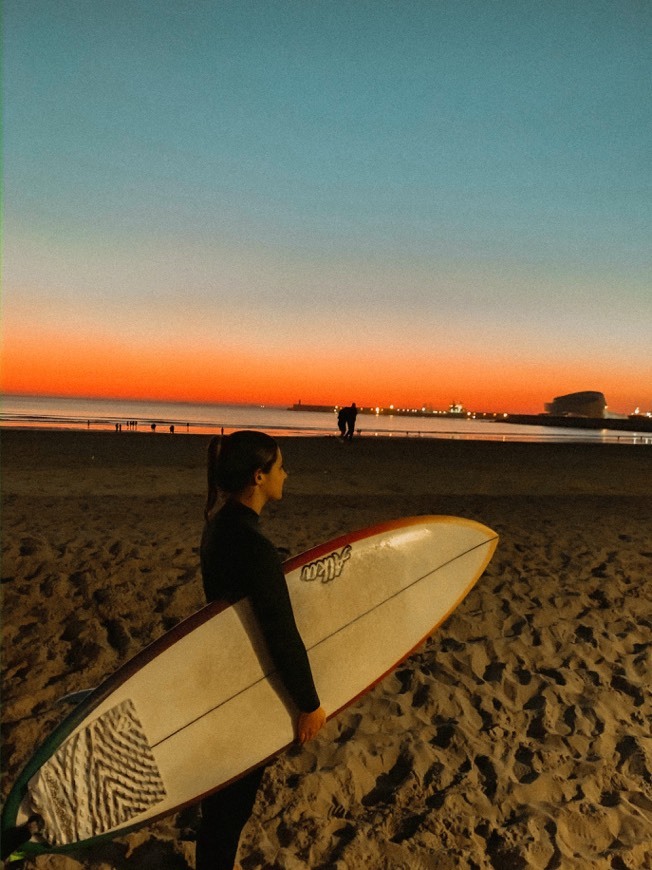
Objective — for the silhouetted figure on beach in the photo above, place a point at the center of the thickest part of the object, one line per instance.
(341, 421)
(351, 415)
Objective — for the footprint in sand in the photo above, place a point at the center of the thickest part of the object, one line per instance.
(387, 783)
(523, 768)
(488, 774)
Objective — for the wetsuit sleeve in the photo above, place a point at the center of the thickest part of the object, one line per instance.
(271, 603)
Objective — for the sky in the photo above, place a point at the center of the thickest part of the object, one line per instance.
(328, 201)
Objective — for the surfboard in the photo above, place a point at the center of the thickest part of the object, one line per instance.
(178, 721)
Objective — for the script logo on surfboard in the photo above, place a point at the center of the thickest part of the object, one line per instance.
(328, 568)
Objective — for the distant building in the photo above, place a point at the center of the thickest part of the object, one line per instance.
(586, 404)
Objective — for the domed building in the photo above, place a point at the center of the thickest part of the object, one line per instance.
(585, 404)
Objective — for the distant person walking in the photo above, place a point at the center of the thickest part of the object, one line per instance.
(341, 421)
(351, 417)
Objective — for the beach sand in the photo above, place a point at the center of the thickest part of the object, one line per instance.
(518, 736)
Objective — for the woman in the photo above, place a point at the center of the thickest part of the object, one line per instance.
(238, 561)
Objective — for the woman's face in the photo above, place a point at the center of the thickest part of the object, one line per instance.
(273, 480)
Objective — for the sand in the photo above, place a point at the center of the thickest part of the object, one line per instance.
(518, 736)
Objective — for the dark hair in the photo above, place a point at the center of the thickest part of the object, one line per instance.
(234, 459)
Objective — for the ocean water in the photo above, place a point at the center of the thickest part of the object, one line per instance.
(46, 412)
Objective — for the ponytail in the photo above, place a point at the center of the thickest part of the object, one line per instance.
(233, 461)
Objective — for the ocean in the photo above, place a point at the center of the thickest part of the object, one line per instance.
(48, 412)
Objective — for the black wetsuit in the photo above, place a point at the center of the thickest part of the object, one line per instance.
(237, 561)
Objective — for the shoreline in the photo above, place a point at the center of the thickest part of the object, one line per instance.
(514, 737)
(630, 424)
(624, 437)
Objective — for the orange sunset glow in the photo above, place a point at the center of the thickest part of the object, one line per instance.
(79, 366)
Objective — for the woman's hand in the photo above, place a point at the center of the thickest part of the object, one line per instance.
(310, 724)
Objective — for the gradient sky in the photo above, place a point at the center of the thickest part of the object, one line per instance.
(268, 201)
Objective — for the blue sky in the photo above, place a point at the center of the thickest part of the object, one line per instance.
(452, 192)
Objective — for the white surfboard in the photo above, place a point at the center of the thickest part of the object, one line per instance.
(180, 721)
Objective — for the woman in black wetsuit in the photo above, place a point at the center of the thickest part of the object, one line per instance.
(238, 561)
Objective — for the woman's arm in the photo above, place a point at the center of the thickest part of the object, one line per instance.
(270, 600)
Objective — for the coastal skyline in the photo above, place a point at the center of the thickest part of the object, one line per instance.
(381, 202)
